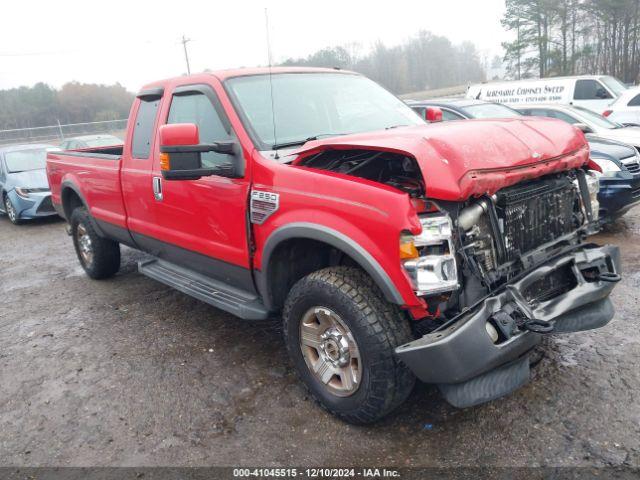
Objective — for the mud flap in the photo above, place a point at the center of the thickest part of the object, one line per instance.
(488, 386)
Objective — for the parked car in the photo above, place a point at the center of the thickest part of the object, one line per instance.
(90, 141)
(391, 248)
(23, 182)
(619, 179)
(626, 108)
(594, 92)
(463, 109)
(620, 176)
(588, 121)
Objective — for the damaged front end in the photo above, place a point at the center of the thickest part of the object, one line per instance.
(523, 271)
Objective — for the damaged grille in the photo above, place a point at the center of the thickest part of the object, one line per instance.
(535, 213)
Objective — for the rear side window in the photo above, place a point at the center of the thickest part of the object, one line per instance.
(539, 112)
(143, 128)
(197, 108)
(634, 102)
(448, 115)
(590, 90)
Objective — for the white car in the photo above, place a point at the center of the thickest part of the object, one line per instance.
(587, 121)
(626, 108)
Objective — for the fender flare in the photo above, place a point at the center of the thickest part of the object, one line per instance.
(69, 185)
(331, 237)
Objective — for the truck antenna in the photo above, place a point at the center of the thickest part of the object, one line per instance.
(269, 59)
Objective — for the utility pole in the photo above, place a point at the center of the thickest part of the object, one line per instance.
(186, 55)
(519, 45)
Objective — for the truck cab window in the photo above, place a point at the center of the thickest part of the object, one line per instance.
(590, 90)
(143, 129)
(197, 108)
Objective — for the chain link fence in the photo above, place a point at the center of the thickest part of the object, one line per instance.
(57, 133)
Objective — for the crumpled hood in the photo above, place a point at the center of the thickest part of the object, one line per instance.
(30, 179)
(474, 157)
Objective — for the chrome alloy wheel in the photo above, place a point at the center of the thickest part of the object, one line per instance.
(330, 351)
(11, 211)
(85, 247)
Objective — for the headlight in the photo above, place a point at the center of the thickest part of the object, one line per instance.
(607, 166)
(428, 258)
(593, 185)
(24, 192)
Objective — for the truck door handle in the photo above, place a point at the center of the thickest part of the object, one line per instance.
(157, 188)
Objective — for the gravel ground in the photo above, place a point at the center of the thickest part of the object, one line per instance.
(128, 372)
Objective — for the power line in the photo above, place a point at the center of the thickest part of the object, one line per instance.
(186, 54)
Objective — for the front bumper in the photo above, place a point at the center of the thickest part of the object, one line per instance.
(618, 194)
(36, 205)
(463, 357)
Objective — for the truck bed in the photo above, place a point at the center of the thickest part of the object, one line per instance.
(96, 173)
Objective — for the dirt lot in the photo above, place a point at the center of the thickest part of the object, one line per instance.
(129, 372)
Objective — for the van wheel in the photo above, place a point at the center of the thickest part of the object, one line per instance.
(10, 210)
(341, 337)
(99, 257)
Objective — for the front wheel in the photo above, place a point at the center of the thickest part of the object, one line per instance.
(99, 257)
(341, 336)
(11, 210)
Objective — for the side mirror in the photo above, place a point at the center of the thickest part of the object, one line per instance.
(433, 114)
(181, 153)
(583, 127)
(602, 93)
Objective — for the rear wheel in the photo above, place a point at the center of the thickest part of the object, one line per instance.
(99, 257)
(341, 336)
(10, 210)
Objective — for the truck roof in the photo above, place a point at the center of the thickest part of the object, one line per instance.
(243, 72)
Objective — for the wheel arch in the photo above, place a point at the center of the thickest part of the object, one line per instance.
(71, 198)
(321, 243)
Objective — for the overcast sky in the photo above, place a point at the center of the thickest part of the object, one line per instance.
(137, 41)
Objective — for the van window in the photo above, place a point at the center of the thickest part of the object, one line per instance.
(634, 102)
(143, 128)
(197, 108)
(590, 90)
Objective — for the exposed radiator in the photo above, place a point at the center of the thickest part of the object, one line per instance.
(536, 213)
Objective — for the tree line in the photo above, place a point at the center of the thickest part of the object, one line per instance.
(43, 105)
(572, 37)
(424, 61)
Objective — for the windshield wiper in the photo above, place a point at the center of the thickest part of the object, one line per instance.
(396, 126)
(295, 143)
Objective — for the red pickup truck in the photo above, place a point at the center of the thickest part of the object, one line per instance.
(391, 248)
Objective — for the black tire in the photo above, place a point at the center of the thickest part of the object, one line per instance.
(10, 210)
(377, 327)
(104, 261)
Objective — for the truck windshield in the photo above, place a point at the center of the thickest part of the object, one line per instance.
(314, 105)
(24, 160)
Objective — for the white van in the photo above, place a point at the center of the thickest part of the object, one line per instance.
(595, 92)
